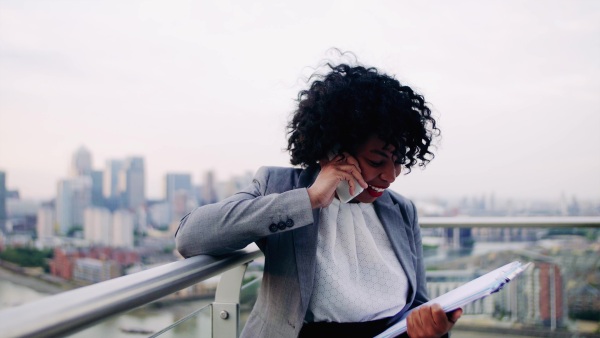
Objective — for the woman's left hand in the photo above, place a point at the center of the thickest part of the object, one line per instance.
(431, 321)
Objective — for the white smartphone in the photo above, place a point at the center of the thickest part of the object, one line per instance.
(343, 191)
(343, 188)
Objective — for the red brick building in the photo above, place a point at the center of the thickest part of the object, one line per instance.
(64, 260)
(551, 293)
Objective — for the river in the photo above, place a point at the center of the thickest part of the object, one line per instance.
(16, 290)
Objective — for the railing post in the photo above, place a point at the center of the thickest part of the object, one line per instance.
(226, 307)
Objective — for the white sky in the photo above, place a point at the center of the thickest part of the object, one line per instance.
(200, 85)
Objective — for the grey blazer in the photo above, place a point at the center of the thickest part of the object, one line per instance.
(275, 212)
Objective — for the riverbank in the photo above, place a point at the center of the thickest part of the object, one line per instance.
(32, 282)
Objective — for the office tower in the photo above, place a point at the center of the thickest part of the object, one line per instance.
(209, 190)
(111, 179)
(132, 181)
(2, 201)
(537, 298)
(45, 222)
(178, 191)
(97, 197)
(181, 205)
(81, 162)
(73, 196)
(98, 226)
(175, 182)
(123, 227)
(110, 182)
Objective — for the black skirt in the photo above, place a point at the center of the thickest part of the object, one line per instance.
(355, 330)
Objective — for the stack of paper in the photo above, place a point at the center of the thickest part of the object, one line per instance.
(476, 289)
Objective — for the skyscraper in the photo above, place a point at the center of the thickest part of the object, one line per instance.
(45, 222)
(209, 190)
(2, 201)
(178, 191)
(175, 182)
(97, 184)
(132, 181)
(73, 196)
(110, 182)
(122, 227)
(98, 226)
(181, 205)
(81, 163)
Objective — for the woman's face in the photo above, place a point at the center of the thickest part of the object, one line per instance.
(379, 168)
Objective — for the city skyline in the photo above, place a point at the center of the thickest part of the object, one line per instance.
(193, 87)
(109, 172)
(160, 192)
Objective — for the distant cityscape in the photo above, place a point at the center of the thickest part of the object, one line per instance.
(101, 222)
(101, 225)
(108, 207)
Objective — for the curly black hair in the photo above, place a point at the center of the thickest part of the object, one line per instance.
(344, 108)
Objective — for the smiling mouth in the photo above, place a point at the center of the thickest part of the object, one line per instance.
(378, 189)
(375, 191)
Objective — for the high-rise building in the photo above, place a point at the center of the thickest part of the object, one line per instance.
(2, 201)
(109, 229)
(132, 179)
(175, 182)
(45, 222)
(111, 178)
(181, 205)
(81, 163)
(97, 184)
(123, 227)
(73, 196)
(536, 297)
(178, 191)
(209, 189)
(98, 226)
(124, 183)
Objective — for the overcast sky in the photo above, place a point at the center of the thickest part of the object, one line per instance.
(209, 85)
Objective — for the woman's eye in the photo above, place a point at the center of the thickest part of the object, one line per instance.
(375, 163)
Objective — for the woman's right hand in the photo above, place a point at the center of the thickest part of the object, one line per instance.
(340, 168)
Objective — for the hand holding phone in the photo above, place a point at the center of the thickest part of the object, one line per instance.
(343, 191)
(343, 188)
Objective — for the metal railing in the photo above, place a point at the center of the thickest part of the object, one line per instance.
(510, 222)
(72, 311)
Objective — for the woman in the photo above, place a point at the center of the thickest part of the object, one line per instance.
(334, 268)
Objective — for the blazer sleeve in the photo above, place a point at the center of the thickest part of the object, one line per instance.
(243, 218)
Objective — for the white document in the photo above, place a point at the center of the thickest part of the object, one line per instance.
(476, 289)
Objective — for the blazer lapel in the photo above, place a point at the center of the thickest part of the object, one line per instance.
(305, 243)
(398, 230)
